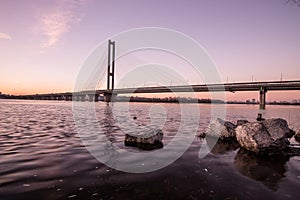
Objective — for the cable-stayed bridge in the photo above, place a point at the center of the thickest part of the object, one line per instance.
(109, 93)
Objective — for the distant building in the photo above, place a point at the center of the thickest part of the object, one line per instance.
(251, 101)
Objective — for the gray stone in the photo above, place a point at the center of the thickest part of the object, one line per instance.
(151, 139)
(221, 129)
(278, 128)
(264, 136)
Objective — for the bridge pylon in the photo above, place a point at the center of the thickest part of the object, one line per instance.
(111, 65)
(262, 98)
(108, 95)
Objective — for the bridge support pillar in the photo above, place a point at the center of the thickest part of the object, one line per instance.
(96, 97)
(109, 96)
(262, 98)
(68, 98)
(82, 97)
(74, 98)
(77, 97)
(93, 97)
(60, 98)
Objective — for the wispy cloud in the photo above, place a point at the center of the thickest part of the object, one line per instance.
(5, 36)
(60, 20)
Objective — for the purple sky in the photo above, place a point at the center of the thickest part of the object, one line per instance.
(43, 43)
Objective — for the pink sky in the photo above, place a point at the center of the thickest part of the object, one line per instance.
(44, 43)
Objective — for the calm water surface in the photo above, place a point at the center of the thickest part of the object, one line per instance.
(42, 157)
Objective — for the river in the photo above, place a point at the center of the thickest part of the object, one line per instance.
(42, 156)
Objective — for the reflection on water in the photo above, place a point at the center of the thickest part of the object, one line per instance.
(222, 147)
(107, 124)
(267, 169)
(42, 157)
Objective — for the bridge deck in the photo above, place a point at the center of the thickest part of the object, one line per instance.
(231, 87)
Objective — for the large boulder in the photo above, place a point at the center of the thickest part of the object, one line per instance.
(224, 130)
(269, 136)
(149, 140)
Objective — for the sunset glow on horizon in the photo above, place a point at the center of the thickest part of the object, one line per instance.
(44, 43)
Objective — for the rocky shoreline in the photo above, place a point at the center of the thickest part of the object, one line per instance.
(261, 137)
(265, 137)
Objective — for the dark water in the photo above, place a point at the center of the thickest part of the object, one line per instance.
(42, 157)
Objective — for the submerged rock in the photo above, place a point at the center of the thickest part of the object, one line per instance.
(265, 136)
(152, 139)
(222, 129)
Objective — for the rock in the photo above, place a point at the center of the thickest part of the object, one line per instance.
(222, 129)
(278, 127)
(151, 139)
(259, 117)
(269, 136)
(241, 122)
